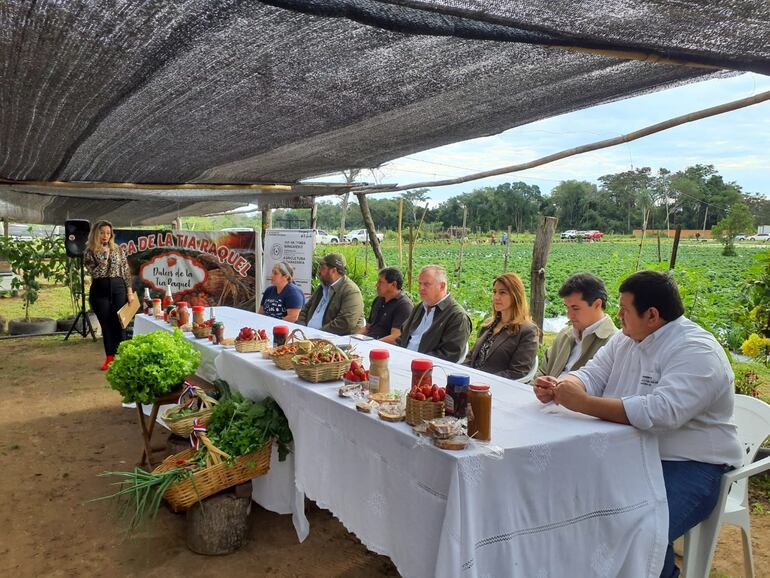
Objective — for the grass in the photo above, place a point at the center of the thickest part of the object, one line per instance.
(53, 302)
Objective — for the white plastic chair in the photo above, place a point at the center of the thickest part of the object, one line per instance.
(527, 378)
(752, 416)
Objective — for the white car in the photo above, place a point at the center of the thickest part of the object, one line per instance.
(760, 237)
(324, 238)
(571, 234)
(361, 236)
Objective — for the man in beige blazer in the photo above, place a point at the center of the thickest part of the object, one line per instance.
(585, 298)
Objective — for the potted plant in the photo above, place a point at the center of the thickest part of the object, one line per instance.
(151, 365)
(31, 261)
(70, 276)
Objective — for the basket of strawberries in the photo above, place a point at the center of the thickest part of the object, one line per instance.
(424, 403)
(202, 330)
(357, 374)
(250, 340)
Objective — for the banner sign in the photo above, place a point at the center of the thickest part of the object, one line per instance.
(202, 268)
(292, 246)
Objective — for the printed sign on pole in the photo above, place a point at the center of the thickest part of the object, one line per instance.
(292, 246)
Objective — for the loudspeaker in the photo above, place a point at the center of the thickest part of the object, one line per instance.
(76, 236)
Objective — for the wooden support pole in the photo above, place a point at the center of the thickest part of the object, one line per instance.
(400, 234)
(409, 257)
(267, 222)
(659, 259)
(540, 251)
(507, 245)
(367, 215)
(6, 228)
(314, 215)
(675, 248)
(459, 268)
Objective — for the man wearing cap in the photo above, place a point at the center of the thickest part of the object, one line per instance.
(336, 305)
(439, 326)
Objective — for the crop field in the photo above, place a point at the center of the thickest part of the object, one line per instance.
(709, 283)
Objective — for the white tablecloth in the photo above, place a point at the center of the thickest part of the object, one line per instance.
(555, 494)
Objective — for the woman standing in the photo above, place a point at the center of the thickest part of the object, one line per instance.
(507, 344)
(283, 299)
(110, 285)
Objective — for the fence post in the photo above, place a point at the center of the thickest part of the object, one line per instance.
(540, 251)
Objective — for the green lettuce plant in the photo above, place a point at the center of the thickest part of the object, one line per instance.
(151, 365)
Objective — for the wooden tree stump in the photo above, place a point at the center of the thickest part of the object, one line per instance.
(176, 444)
(219, 525)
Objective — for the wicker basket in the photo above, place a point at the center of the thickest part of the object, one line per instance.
(213, 478)
(284, 361)
(420, 411)
(201, 332)
(183, 426)
(251, 346)
(321, 371)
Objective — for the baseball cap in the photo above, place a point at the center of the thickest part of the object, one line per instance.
(335, 261)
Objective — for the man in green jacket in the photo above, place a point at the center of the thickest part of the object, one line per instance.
(438, 326)
(585, 298)
(336, 305)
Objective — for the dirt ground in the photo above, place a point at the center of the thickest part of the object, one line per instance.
(61, 426)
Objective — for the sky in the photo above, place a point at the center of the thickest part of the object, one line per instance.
(736, 143)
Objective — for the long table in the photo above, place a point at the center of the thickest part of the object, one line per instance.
(554, 494)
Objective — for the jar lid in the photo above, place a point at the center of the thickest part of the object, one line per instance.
(181, 303)
(280, 329)
(381, 354)
(458, 379)
(198, 308)
(422, 364)
(479, 387)
(156, 300)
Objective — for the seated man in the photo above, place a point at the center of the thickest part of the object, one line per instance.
(438, 326)
(585, 298)
(664, 374)
(336, 305)
(389, 309)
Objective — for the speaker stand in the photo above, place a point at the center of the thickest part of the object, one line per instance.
(87, 327)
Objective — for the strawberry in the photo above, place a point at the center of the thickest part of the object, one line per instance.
(435, 396)
(419, 396)
(441, 394)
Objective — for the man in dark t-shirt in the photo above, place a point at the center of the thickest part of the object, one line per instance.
(389, 309)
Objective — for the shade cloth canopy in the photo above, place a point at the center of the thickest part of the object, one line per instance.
(232, 92)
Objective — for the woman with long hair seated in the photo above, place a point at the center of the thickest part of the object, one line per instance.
(507, 343)
(283, 299)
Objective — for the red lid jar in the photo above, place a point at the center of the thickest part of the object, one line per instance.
(279, 335)
(422, 372)
(379, 354)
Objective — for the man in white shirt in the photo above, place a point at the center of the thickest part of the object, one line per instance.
(585, 298)
(664, 374)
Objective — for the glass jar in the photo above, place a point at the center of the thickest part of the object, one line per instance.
(379, 373)
(218, 331)
(456, 398)
(157, 307)
(422, 372)
(280, 333)
(199, 314)
(480, 412)
(147, 302)
(182, 313)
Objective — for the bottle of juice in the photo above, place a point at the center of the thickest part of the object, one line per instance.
(169, 298)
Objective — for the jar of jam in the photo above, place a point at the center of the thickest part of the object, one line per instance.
(157, 307)
(379, 373)
(456, 398)
(218, 331)
(280, 333)
(480, 412)
(199, 312)
(182, 313)
(422, 372)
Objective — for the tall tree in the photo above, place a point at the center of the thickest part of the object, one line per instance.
(738, 220)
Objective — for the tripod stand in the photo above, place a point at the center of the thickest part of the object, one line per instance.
(86, 327)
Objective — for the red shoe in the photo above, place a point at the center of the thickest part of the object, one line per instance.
(109, 359)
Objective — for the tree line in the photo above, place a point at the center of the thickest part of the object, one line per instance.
(695, 198)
